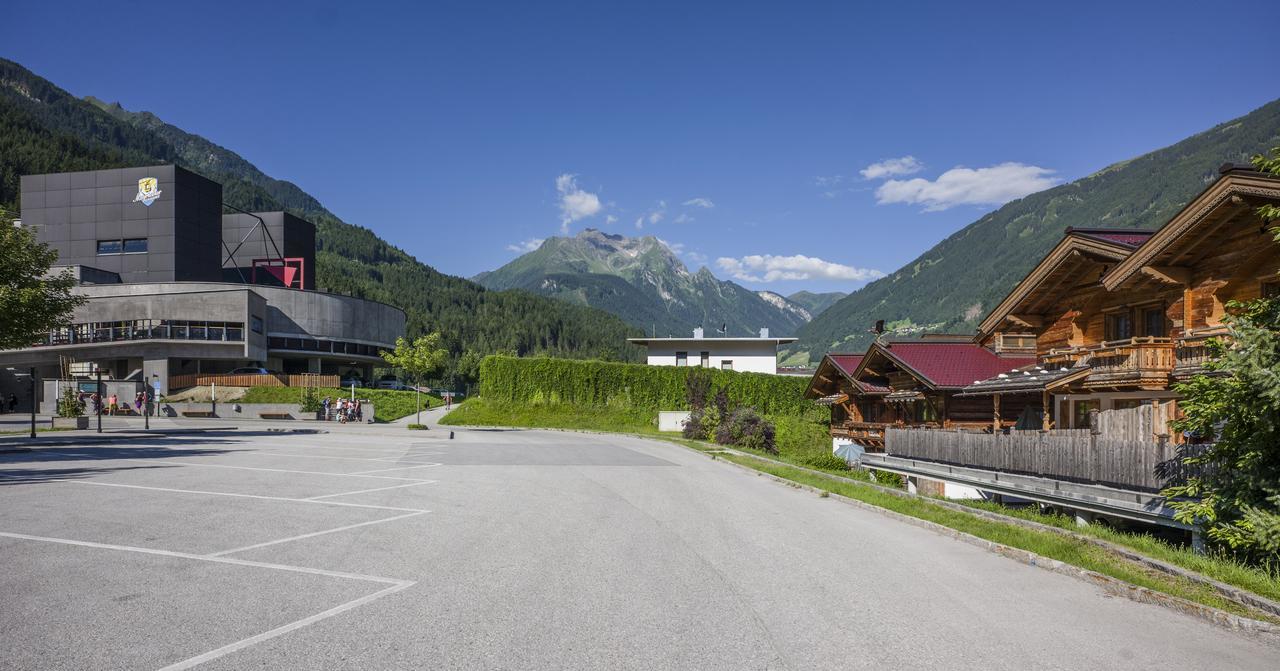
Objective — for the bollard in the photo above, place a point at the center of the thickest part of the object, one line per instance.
(450, 435)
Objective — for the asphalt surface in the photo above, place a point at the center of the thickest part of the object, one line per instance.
(360, 549)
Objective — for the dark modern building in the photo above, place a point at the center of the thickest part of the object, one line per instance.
(175, 287)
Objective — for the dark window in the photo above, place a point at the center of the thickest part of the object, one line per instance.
(706, 359)
(682, 358)
(1119, 326)
(109, 247)
(1153, 322)
(135, 246)
(255, 324)
(726, 364)
(1271, 289)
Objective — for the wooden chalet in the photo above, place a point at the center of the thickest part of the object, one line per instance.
(1116, 317)
(907, 383)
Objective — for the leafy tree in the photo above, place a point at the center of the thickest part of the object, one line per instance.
(1234, 489)
(31, 304)
(421, 358)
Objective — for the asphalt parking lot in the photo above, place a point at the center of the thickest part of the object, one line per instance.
(522, 549)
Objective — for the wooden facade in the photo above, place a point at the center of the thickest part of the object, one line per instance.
(1135, 309)
(907, 384)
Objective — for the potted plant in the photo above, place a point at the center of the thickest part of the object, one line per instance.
(70, 411)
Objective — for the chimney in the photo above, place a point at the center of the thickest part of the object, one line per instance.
(764, 332)
(697, 333)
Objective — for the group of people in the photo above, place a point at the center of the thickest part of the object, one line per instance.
(343, 410)
(114, 405)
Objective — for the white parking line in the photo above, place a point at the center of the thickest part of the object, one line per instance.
(314, 534)
(210, 558)
(393, 586)
(242, 468)
(376, 489)
(242, 496)
(279, 631)
(402, 468)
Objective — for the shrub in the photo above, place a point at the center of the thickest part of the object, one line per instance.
(417, 427)
(826, 462)
(70, 404)
(596, 383)
(887, 478)
(310, 400)
(745, 428)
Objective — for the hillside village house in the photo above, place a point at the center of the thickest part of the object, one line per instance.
(906, 383)
(1110, 319)
(1119, 316)
(752, 355)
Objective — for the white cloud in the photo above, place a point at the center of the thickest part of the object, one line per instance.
(828, 181)
(575, 203)
(656, 216)
(683, 218)
(639, 222)
(526, 246)
(696, 259)
(995, 185)
(704, 203)
(610, 219)
(892, 167)
(770, 268)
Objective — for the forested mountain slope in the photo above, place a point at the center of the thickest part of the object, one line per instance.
(45, 129)
(643, 281)
(950, 287)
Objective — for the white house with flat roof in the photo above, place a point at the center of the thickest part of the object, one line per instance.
(753, 355)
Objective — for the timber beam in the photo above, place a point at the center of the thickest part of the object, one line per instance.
(1169, 274)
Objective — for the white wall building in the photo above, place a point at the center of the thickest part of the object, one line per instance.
(752, 355)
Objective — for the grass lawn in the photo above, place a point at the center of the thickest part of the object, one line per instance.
(807, 443)
(388, 405)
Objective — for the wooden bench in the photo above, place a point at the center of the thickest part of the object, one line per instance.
(274, 415)
(198, 413)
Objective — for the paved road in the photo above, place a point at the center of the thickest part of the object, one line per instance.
(516, 550)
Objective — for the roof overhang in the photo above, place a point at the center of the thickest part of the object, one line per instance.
(721, 341)
(880, 350)
(1071, 247)
(1230, 191)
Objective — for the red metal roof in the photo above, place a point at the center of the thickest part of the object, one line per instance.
(847, 363)
(1126, 237)
(948, 364)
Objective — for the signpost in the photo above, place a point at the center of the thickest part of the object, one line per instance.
(97, 404)
(33, 401)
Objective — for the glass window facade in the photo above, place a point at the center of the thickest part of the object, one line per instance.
(145, 329)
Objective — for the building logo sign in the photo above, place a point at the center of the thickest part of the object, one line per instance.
(148, 191)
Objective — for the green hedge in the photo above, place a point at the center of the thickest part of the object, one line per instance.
(624, 385)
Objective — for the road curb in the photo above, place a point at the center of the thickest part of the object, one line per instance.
(1108, 584)
(29, 444)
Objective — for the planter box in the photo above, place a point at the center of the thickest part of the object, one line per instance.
(70, 422)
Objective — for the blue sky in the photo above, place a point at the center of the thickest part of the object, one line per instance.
(787, 145)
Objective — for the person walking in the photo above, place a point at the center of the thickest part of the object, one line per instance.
(113, 404)
(13, 402)
(137, 403)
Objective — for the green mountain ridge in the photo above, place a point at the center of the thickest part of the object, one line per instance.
(45, 129)
(951, 287)
(643, 281)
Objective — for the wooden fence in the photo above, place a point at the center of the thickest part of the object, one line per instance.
(277, 380)
(1079, 455)
(1144, 423)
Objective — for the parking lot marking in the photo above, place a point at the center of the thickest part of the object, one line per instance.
(279, 631)
(209, 558)
(242, 496)
(375, 489)
(242, 468)
(393, 586)
(313, 534)
(402, 468)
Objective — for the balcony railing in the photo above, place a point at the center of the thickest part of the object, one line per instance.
(92, 333)
(1142, 362)
(1137, 361)
(1192, 353)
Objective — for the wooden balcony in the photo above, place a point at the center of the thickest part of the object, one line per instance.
(1144, 363)
(871, 434)
(1137, 362)
(1192, 353)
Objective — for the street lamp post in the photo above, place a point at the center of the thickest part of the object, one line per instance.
(33, 401)
(98, 403)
